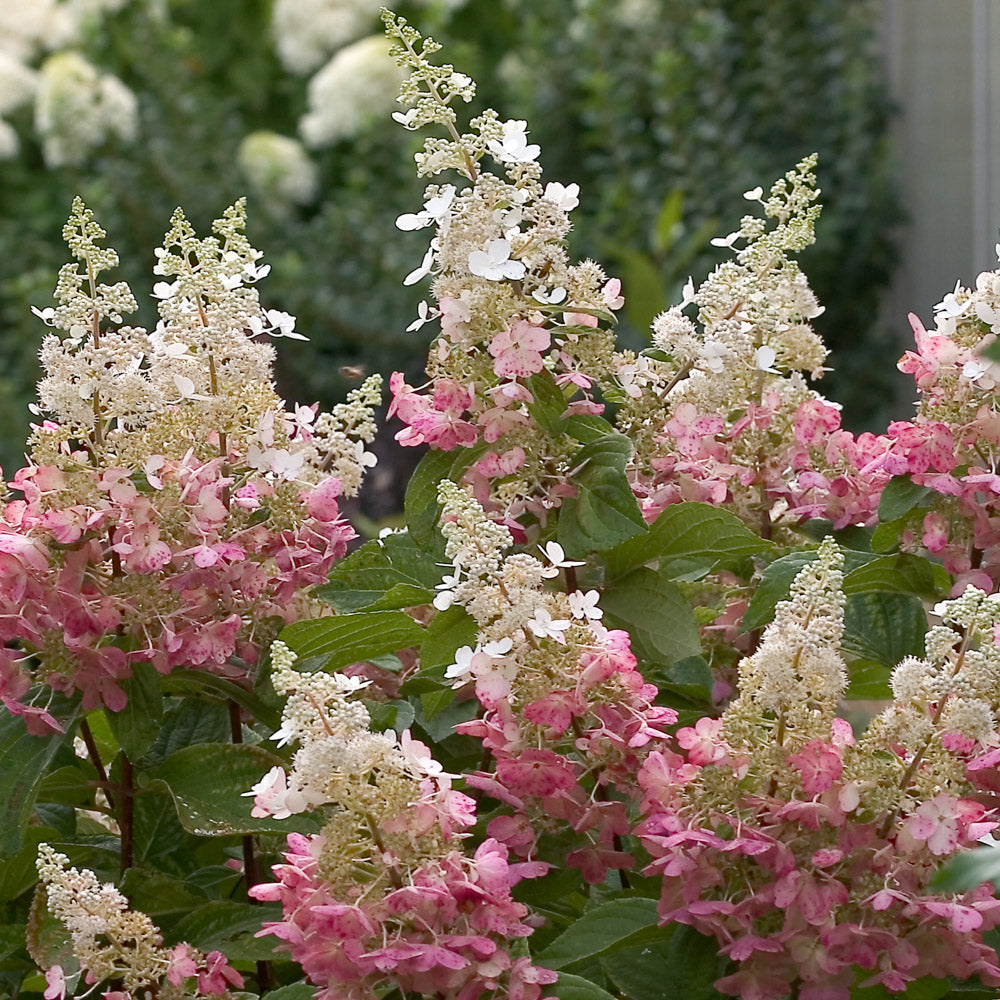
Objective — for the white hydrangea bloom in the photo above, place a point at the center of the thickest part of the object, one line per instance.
(29, 26)
(9, 144)
(357, 85)
(278, 167)
(306, 32)
(77, 108)
(18, 83)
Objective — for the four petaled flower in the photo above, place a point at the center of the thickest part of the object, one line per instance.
(514, 147)
(493, 263)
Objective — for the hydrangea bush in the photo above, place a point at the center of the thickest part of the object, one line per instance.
(669, 687)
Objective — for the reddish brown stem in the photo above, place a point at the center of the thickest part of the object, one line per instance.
(251, 863)
(95, 758)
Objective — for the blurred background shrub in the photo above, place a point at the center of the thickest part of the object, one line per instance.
(663, 112)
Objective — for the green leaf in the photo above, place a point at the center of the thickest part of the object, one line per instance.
(193, 720)
(159, 894)
(902, 572)
(207, 783)
(869, 681)
(600, 930)
(18, 873)
(900, 496)
(549, 405)
(24, 761)
(691, 677)
(447, 632)
(569, 987)
(383, 574)
(395, 715)
(776, 582)
(420, 503)
(587, 427)
(228, 926)
(886, 535)
(927, 988)
(655, 613)
(346, 639)
(605, 512)
(883, 627)
(683, 968)
(685, 532)
(200, 682)
(136, 726)
(968, 870)
(297, 991)
(991, 351)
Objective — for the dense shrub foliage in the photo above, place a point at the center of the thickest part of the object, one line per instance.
(670, 685)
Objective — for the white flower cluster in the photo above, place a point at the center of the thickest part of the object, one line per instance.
(307, 31)
(29, 28)
(503, 593)
(109, 940)
(355, 87)
(498, 229)
(957, 682)
(754, 309)
(78, 108)
(122, 388)
(797, 674)
(278, 168)
(374, 779)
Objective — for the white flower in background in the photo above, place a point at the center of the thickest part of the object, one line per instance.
(77, 108)
(9, 144)
(18, 83)
(306, 32)
(357, 86)
(514, 147)
(278, 167)
(494, 262)
(566, 197)
(30, 26)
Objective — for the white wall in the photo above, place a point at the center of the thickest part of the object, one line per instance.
(943, 65)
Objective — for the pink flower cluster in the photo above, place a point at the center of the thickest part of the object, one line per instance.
(440, 932)
(804, 884)
(593, 739)
(812, 468)
(489, 401)
(178, 569)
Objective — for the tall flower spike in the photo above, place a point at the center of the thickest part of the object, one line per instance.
(517, 317)
(789, 687)
(384, 896)
(116, 945)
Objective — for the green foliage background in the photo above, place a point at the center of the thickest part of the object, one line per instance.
(663, 112)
